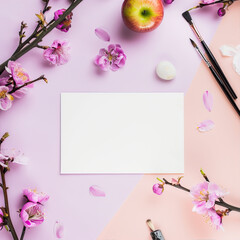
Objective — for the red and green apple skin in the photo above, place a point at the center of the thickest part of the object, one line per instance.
(142, 15)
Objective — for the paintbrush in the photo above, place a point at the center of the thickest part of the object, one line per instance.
(155, 234)
(210, 55)
(218, 79)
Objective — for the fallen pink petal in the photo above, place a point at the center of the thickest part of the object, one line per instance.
(96, 191)
(102, 34)
(205, 126)
(58, 230)
(208, 100)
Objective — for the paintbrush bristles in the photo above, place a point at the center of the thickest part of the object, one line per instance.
(193, 43)
(150, 225)
(187, 17)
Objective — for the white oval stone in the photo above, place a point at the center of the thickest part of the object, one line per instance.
(166, 70)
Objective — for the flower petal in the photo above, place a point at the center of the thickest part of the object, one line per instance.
(58, 230)
(102, 34)
(208, 100)
(228, 51)
(236, 63)
(96, 191)
(205, 126)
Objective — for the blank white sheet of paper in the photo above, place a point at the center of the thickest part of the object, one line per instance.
(122, 133)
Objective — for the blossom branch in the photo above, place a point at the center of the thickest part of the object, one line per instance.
(28, 83)
(38, 36)
(225, 2)
(34, 34)
(220, 203)
(5, 195)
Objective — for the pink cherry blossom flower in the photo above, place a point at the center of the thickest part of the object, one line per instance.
(1, 216)
(207, 1)
(35, 197)
(215, 218)
(3, 81)
(4, 160)
(158, 188)
(204, 196)
(18, 73)
(112, 58)
(32, 215)
(5, 98)
(58, 53)
(66, 23)
(15, 156)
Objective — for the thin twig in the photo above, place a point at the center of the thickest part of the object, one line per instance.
(28, 83)
(5, 135)
(23, 233)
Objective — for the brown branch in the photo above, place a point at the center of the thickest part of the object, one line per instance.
(5, 195)
(201, 5)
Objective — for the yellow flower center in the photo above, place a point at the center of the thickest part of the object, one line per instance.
(3, 94)
(22, 75)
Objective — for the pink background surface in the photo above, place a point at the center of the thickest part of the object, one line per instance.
(34, 124)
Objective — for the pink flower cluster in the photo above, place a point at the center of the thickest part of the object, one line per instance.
(31, 213)
(112, 58)
(17, 77)
(58, 53)
(12, 156)
(66, 23)
(204, 197)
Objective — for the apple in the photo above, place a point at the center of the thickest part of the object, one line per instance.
(142, 15)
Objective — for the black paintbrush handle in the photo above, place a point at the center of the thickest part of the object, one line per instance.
(218, 69)
(219, 80)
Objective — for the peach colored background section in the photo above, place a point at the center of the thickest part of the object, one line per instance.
(217, 152)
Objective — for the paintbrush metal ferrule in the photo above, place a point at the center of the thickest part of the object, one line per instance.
(196, 32)
(200, 53)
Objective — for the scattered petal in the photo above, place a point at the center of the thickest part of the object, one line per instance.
(228, 51)
(205, 126)
(102, 34)
(208, 100)
(96, 191)
(232, 52)
(58, 230)
(236, 63)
